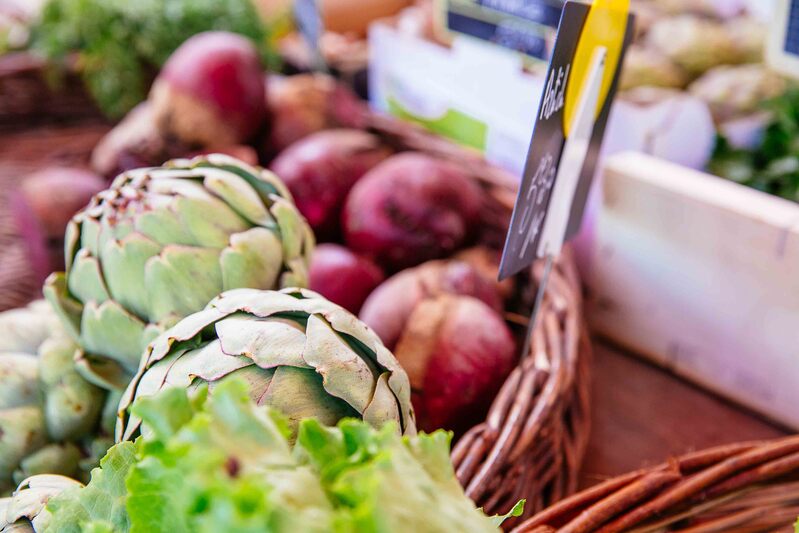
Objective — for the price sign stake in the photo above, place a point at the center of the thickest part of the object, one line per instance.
(579, 89)
(309, 22)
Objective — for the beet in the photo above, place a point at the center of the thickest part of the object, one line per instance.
(457, 352)
(321, 169)
(307, 103)
(387, 309)
(343, 277)
(411, 208)
(55, 194)
(211, 91)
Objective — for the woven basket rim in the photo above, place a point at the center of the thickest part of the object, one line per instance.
(747, 486)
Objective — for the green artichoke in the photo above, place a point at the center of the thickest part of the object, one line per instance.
(24, 512)
(51, 418)
(298, 353)
(160, 244)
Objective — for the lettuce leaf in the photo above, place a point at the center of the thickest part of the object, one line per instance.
(221, 463)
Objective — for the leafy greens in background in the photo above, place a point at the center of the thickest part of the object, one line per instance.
(223, 464)
(120, 44)
(773, 165)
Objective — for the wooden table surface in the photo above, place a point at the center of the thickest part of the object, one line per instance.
(641, 414)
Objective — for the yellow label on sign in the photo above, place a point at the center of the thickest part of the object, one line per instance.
(606, 25)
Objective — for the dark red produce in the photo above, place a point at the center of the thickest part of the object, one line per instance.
(457, 352)
(343, 277)
(321, 169)
(211, 91)
(387, 309)
(411, 208)
(306, 103)
(55, 194)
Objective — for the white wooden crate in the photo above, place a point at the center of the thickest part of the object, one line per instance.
(702, 276)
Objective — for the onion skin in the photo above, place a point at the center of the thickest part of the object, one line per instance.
(306, 103)
(321, 169)
(343, 277)
(457, 352)
(211, 91)
(389, 307)
(409, 209)
(55, 194)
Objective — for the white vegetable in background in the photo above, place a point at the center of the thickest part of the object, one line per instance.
(713, 8)
(732, 91)
(648, 67)
(665, 123)
(696, 44)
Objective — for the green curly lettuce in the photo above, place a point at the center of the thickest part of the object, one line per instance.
(220, 463)
(122, 43)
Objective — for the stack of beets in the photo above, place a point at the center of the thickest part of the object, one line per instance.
(396, 228)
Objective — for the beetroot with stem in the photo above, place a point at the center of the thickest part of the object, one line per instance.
(211, 91)
(388, 308)
(411, 208)
(321, 169)
(457, 352)
(343, 277)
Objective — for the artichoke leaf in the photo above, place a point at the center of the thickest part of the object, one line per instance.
(292, 227)
(268, 343)
(247, 262)
(124, 265)
(345, 374)
(22, 432)
(85, 281)
(19, 375)
(384, 405)
(239, 195)
(181, 280)
(299, 394)
(67, 309)
(111, 331)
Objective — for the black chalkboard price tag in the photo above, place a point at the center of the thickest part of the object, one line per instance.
(570, 125)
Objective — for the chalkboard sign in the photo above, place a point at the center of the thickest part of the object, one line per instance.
(570, 125)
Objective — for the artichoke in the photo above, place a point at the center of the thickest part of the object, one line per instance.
(160, 244)
(298, 353)
(24, 512)
(50, 416)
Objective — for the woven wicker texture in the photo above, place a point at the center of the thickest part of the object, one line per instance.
(747, 487)
(533, 441)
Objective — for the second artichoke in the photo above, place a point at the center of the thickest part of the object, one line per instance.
(299, 353)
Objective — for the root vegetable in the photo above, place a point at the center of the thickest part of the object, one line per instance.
(304, 104)
(387, 309)
(343, 277)
(411, 208)
(321, 169)
(55, 194)
(457, 352)
(211, 91)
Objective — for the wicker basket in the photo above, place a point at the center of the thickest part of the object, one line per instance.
(748, 487)
(532, 443)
